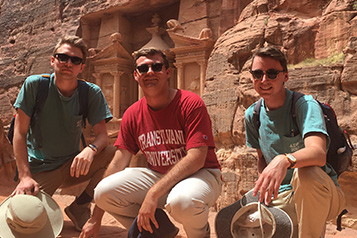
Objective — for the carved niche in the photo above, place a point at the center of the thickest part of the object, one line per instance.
(112, 70)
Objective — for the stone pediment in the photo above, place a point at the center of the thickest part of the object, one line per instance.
(113, 53)
(184, 42)
(181, 40)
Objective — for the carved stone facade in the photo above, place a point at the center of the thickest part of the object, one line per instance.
(110, 64)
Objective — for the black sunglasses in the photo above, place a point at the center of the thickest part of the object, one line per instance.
(270, 73)
(63, 58)
(144, 68)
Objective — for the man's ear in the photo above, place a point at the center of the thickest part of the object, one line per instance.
(52, 61)
(136, 75)
(286, 77)
(168, 73)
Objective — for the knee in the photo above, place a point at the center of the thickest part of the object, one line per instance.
(102, 194)
(184, 208)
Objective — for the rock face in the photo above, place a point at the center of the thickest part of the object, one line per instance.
(324, 30)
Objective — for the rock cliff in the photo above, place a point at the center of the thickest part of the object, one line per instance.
(319, 38)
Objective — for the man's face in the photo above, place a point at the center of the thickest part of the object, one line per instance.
(267, 77)
(151, 73)
(64, 65)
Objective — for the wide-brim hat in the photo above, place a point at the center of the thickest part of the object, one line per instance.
(241, 218)
(28, 216)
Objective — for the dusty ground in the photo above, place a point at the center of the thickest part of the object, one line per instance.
(111, 228)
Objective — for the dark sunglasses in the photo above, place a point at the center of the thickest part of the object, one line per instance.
(63, 58)
(270, 73)
(144, 68)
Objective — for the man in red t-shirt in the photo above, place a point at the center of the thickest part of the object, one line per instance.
(173, 130)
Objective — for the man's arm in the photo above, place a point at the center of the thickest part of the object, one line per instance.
(27, 184)
(82, 162)
(314, 154)
(261, 161)
(120, 161)
(188, 165)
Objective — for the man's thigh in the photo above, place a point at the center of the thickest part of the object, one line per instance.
(49, 181)
(129, 185)
(205, 185)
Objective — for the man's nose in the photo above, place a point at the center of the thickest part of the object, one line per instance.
(264, 78)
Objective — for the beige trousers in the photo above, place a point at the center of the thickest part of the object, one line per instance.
(314, 200)
(50, 181)
(188, 202)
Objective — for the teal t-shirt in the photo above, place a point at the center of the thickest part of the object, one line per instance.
(60, 122)
(278, 133)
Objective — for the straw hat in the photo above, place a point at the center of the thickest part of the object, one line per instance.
(28, 216)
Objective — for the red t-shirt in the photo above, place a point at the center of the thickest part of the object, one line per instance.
(164, 136)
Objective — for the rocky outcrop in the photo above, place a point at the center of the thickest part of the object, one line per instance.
(306, 31)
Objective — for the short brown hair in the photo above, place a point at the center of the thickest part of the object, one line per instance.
(151, 52)
(274, 53)
(73, 41)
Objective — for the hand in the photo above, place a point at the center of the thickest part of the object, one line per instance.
(27, 185)
(147, 214)
(90, 229)
(270, 179)
(82, 162)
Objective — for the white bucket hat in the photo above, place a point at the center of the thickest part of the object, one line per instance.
(28, 216)
(241, 217)
(258, 221)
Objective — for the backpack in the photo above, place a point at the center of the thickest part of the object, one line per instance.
(339, 155)
(42, 93)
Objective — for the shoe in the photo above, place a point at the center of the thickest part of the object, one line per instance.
(79, 214)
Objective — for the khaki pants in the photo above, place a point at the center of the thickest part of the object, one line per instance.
(50, 181)
(315, 200)
(188, 202)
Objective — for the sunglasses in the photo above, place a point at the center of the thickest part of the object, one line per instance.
(270, 73)
(63, 58)
(144, 68)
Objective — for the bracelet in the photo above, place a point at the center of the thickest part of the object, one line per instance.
(93, 147)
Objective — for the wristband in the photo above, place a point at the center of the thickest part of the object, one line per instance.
(93, 147)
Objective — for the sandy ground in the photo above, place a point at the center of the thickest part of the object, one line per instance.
(111, 228)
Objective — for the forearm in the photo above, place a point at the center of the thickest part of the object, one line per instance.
(120, 161)
(309, 157)
(21, 155)
(97, 213)
(101, 135)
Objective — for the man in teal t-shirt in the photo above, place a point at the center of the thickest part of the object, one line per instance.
(287, 158)
(59, 161)
(293, 174)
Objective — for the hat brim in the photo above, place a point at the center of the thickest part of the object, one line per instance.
(284, 224)
(52, 228)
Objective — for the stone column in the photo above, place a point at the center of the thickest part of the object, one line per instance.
(98, 79)
(180, 76)
(203, 68)
(86, 31)
(116, 93)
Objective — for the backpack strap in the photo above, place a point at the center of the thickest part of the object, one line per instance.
(256, 114)
(296, 96)
(41, 96)
(42, 93)
(83, 89)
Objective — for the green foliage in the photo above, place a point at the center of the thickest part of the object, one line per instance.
(337, 58)
(354, 5)
(266, 20)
